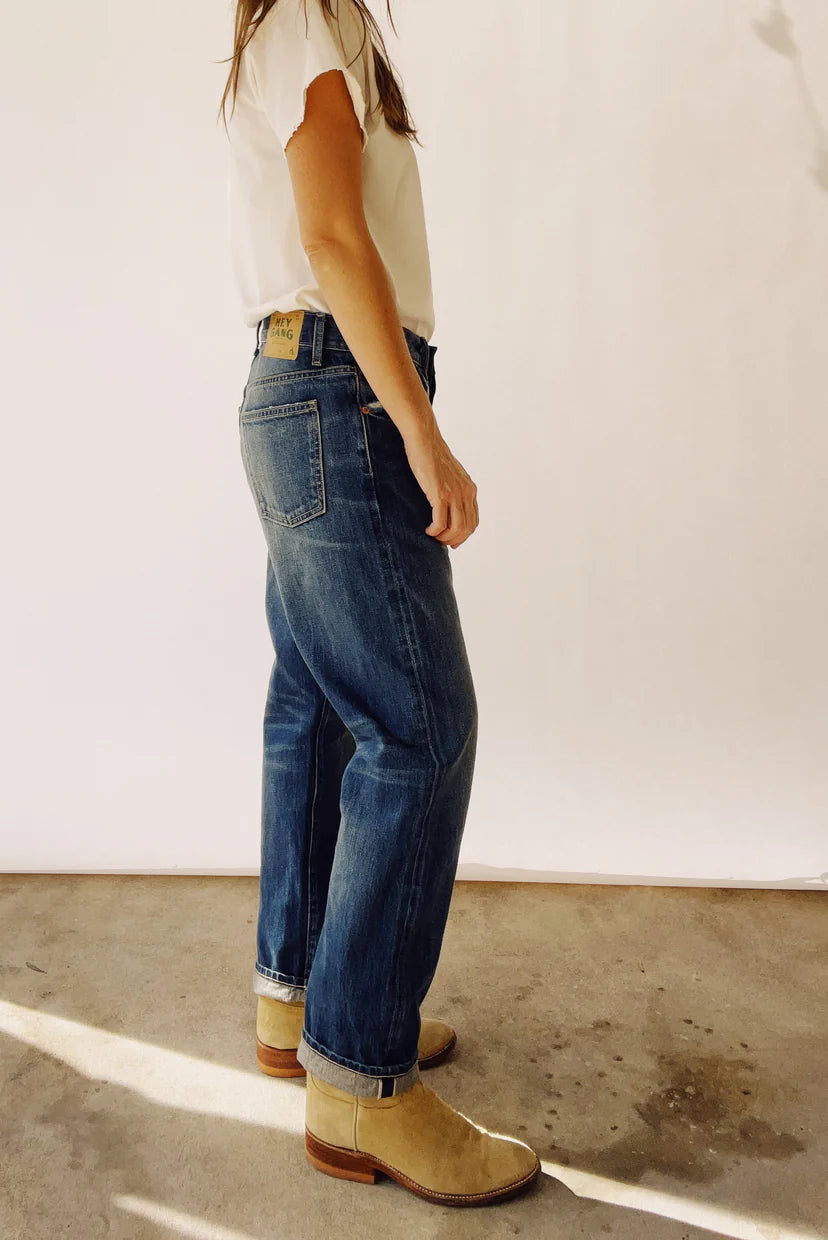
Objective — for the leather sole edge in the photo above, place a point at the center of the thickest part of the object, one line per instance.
(345, 1164)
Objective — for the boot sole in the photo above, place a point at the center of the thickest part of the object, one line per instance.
(364, 1168)
(276, 1062)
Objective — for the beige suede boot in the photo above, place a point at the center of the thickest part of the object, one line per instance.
(279, 1028)
(418, 1140)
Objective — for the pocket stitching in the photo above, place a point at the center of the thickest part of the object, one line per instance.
(272, 413)
(267, 413)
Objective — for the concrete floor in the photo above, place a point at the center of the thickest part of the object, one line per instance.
(663, 1050)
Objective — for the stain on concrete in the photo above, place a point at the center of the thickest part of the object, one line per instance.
(698, 1089)
(764, 1142)
(699, 1112)
(95, 1136)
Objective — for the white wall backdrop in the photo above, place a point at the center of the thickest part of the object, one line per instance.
(628, 217)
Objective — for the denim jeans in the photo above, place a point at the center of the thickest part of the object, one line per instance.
(370, 720)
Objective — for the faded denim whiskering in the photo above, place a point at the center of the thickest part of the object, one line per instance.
(370, 720)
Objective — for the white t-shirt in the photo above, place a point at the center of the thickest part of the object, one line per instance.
(271, 269)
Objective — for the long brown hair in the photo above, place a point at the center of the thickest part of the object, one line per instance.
(391, 96)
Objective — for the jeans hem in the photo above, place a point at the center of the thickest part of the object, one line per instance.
(362, 1084)
(273, 988)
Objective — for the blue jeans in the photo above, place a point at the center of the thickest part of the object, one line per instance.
(370, 722)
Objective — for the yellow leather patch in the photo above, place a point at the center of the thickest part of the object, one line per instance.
(283, 334)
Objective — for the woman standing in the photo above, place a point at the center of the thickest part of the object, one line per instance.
(370, 724)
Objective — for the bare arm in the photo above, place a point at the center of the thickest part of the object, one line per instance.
(325, 162)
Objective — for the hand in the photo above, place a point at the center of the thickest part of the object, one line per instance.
(447, 486)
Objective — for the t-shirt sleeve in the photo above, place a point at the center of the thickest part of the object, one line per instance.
(287, 56)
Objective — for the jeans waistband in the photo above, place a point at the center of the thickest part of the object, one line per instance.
(319, 330)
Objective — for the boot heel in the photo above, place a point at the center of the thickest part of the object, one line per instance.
(275, 1062)
(335, 1161)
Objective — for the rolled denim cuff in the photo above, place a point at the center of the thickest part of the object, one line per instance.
(353, 1082)
(272, 988)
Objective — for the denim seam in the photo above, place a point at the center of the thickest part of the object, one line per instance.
(367, 447)
(407, 629)
(311, 903)
(387, 554)
(353, 1065)
(369, 462)
(413, 887)
(288, 978)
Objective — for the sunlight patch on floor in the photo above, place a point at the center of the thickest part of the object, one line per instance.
(172, 1079)
(166, 1077)
(176, 1221)
(719, 1219)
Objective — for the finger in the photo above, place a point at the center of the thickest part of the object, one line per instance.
(439, 517)
(468, 523)
(468, 515)
(456, 531)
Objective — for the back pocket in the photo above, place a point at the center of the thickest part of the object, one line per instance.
(281, 448)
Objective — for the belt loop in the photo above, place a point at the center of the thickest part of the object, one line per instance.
(318, 338)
